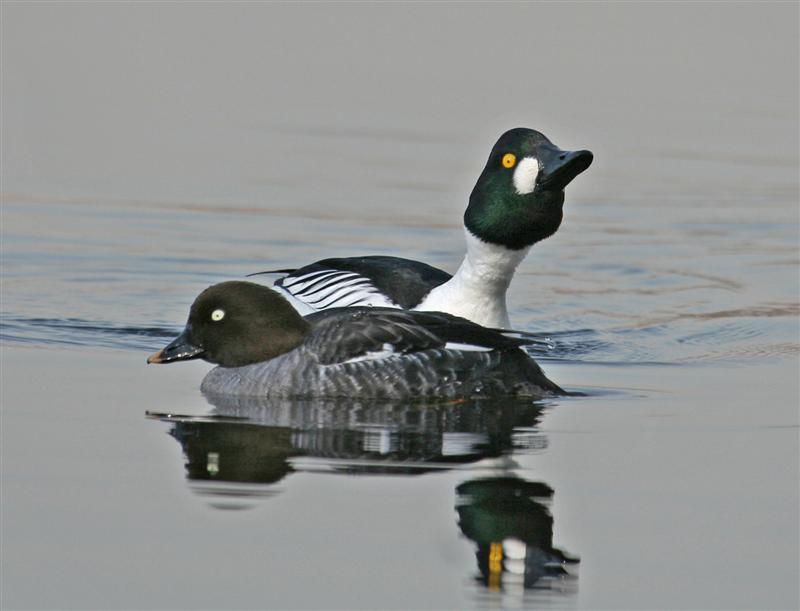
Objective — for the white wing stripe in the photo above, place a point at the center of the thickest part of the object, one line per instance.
(330, 286)
(466, 347)
(292, 280)
(359, 301)
(359, 297)
(309, 284)
(333, 289)
(341, 292)
(295, 280)
(386, 350)
(323, 283)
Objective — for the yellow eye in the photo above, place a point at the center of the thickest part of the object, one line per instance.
(217, 315)
(509, 159)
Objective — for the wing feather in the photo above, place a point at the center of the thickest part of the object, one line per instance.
(345, 334)
(390, 282)
(301, 283)
(329, 288)
(350, 287)
(334, 281)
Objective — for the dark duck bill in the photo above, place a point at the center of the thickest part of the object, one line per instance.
(179, 349)
(559, 167)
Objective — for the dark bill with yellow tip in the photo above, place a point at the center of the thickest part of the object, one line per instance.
(179, 349)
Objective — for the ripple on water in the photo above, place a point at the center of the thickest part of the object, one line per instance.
(80, 332)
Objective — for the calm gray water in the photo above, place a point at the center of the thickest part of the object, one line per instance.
(150, 150)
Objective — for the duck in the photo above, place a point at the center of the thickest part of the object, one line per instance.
(264, 348)
(517, 201)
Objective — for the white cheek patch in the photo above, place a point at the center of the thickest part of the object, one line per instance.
(525, 175)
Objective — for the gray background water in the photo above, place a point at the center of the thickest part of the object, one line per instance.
(149, 150)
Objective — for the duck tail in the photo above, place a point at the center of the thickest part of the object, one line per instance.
(272, 271)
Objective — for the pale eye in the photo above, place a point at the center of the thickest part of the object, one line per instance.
(217, 315)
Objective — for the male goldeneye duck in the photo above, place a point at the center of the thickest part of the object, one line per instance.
(516, 202)
(265, 348)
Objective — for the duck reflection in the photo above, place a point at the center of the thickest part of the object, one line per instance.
(239, 452)
(509, 520)
(231, 461)
(257, 441)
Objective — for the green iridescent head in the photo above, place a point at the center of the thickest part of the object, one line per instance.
(519, 196)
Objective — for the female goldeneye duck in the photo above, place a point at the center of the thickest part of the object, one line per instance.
(516, 202)
(265, 348)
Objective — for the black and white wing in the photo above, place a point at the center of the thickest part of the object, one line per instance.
(350, 335)
(376, 281)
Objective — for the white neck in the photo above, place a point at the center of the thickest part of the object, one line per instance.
(477, 291)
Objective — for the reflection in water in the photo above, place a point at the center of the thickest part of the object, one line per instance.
(509, 520)
(237, 454)
(230, 461)
(352, 437)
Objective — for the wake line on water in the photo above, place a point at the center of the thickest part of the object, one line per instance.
(81, 332)
(559, 345)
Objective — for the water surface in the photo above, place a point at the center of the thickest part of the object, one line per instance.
(152, 150)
